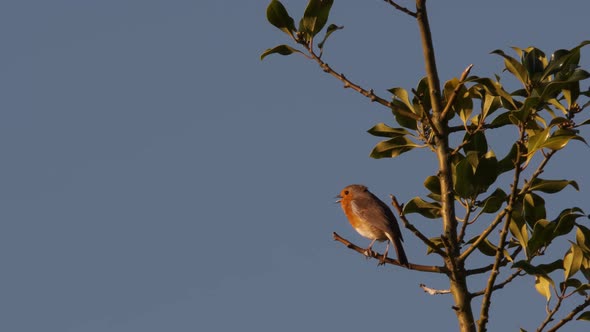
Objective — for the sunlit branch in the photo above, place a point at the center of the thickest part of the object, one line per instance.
(373, 254)
(413, 229)
(401, 8)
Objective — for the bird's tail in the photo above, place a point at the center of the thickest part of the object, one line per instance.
(399, 249)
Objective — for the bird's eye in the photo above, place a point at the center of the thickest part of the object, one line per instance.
(346, 192)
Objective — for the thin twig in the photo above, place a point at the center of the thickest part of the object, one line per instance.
(571, 315)
(349, 84)
(400, 8)
(465, 223)
(486, 301)
(454, 129)
(453, 97)
(550, 314)
(501, 284)
(373, 254)
(500, 215)
(413, 229)
(487, 268)
(485, 233)
(459, 147)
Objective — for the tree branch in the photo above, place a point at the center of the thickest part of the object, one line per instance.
(485, 305)
(500, 215)
(455, 129)
(400, 8)
(550, 314)
(487, 268)
(349, 84)
(373, 254)
(465, 223)
(409, 226)
(458, 282)
(500, 285)
(571, 315)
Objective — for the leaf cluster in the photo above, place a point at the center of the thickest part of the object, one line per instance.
(544, 110)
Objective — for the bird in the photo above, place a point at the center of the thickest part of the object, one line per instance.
(372, 219)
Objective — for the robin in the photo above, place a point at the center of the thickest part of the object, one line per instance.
(373, 219)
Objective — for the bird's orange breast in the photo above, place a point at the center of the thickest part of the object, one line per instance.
(362, 226)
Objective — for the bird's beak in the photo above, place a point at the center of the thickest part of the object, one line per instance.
(339, 197)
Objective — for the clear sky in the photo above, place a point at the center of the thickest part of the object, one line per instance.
(157, 176)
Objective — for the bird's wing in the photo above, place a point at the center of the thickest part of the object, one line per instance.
(372, 212)
(375, 212)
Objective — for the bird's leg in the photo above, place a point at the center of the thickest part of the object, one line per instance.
(382, 260)
(369, 251)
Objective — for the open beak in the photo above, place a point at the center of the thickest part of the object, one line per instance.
(339, 198)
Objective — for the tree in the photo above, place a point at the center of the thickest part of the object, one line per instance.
(543, 112)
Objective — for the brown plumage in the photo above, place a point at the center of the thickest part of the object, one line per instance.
(372, 218)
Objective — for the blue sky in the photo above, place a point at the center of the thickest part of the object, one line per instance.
(156, 175)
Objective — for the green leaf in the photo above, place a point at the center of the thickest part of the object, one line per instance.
(432, 183)
(437, 243)
(429, 210)
(281, 49)
(329, 31)
(570, 283)
(529, 107)
(490, 105)
(514, 67)
(542, 235)
(402, 95)
(400, 103)
(488, 248)
(551, 186)
(534, 61)
(528, 268)
(561, 138)
(475, 142)
(315, 17)
(543, 285)
(552, 89)
(383, 130)
(584, 316)
(278, 16)
(580, 287)
(534, 208)
(583, 238)
(464, 178)
(508, 162)
(494, 202)
(563, 58)
(549, 268)
(393, 147)
(535, 143)
(495, 89)
(486, 172)
(518, 228)
(502, 119)
(572, 261)
(463, 104)
(566, 220)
